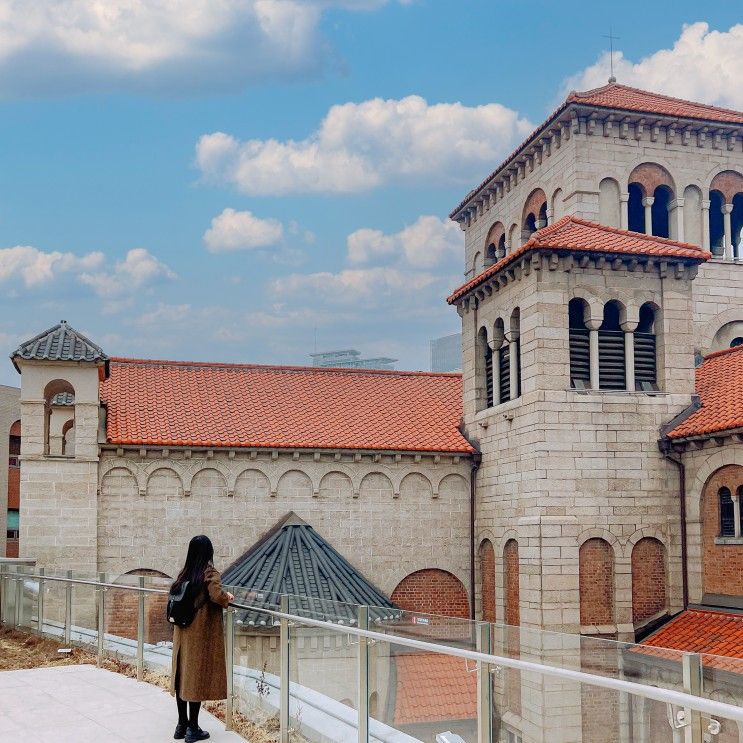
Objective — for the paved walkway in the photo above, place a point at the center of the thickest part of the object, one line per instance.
(85, 704)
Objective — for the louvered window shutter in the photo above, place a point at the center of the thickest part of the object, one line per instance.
(505, 372)
(580, 357)
(727, 514)
(611, 360)
(489, 376)
(645, 366)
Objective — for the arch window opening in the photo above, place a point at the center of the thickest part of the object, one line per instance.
(580, 348)
(663, 196)
(514, 355)
(611, 350)
(727, 513)
(736, 225)
(736, 342)
(504, 368)
(542, 219)
(491, 255)
(59, 419)
(484, 371)
(501, 246)
(489, 376)
(716, 223)
(635, 209)
(646, 374)
(530, 226)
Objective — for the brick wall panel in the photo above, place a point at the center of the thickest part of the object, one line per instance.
(596, 580)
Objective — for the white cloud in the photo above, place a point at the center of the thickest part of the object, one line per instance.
(426, 243)
(407, 268)
(354, 286)
(35, 267)
(53, 46)
(232, 230)
(359, 146)
(702, 65)
(138, 270)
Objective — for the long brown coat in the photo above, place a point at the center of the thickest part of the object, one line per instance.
(198, 650)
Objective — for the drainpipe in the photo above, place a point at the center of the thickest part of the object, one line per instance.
(474, 467)
(665, 447)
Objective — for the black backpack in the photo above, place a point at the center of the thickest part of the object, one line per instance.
(181, 608)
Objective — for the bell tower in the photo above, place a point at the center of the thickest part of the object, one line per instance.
(60, 412)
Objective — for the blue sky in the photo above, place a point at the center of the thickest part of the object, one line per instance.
(227, 181)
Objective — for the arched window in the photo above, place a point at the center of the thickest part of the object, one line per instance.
(504, 364)
(530, 225)
(580, 350)
(727, 513)
(484, 371)
(716, 222)
(59, 399)
(736, 226)
(515, 343)
(646, 375)
(663, 196)
(611, 349)
(736, 342)
(495, 239)
(635, 209)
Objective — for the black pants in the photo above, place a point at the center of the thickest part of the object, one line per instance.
(190, 716)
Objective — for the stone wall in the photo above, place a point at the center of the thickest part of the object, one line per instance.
(560, 466)
(586, 171)
(10, 412)
(702, 463)
(389, 515)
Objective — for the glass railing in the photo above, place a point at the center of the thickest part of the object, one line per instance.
(332, 672)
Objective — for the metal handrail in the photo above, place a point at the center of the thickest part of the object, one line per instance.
(80, 581)
(680, 699)
(668, 696)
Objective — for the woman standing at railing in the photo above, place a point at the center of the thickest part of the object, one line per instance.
(198, 671)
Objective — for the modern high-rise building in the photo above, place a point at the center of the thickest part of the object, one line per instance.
(446, 353)
(351, 359)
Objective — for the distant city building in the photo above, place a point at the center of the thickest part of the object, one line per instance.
(446, 353)
(350, 359)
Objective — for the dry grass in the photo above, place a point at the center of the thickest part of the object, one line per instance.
(21, 650)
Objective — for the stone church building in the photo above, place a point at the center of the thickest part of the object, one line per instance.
(584, 472)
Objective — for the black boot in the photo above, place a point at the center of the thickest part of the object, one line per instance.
(180, 731)
(194, 734)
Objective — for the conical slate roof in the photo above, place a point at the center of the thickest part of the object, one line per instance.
(59, 343)
(292, 558)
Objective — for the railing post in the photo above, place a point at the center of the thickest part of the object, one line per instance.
(68, 610)
(2, 593)
(40, 603)
(101, 617)
(230, 653)
(284, 673)
(692, 676)
(363, 677)
(484, 688)
(140, 630)
(19, 598)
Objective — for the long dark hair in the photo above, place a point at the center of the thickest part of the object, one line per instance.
(198, 559)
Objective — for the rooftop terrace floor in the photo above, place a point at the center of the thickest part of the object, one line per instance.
(86, 704)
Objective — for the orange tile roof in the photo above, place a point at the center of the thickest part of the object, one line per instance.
(623, 98)
(433, 688)
(719, 634)
(575, 234)
(169, 403)
(719, 384)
